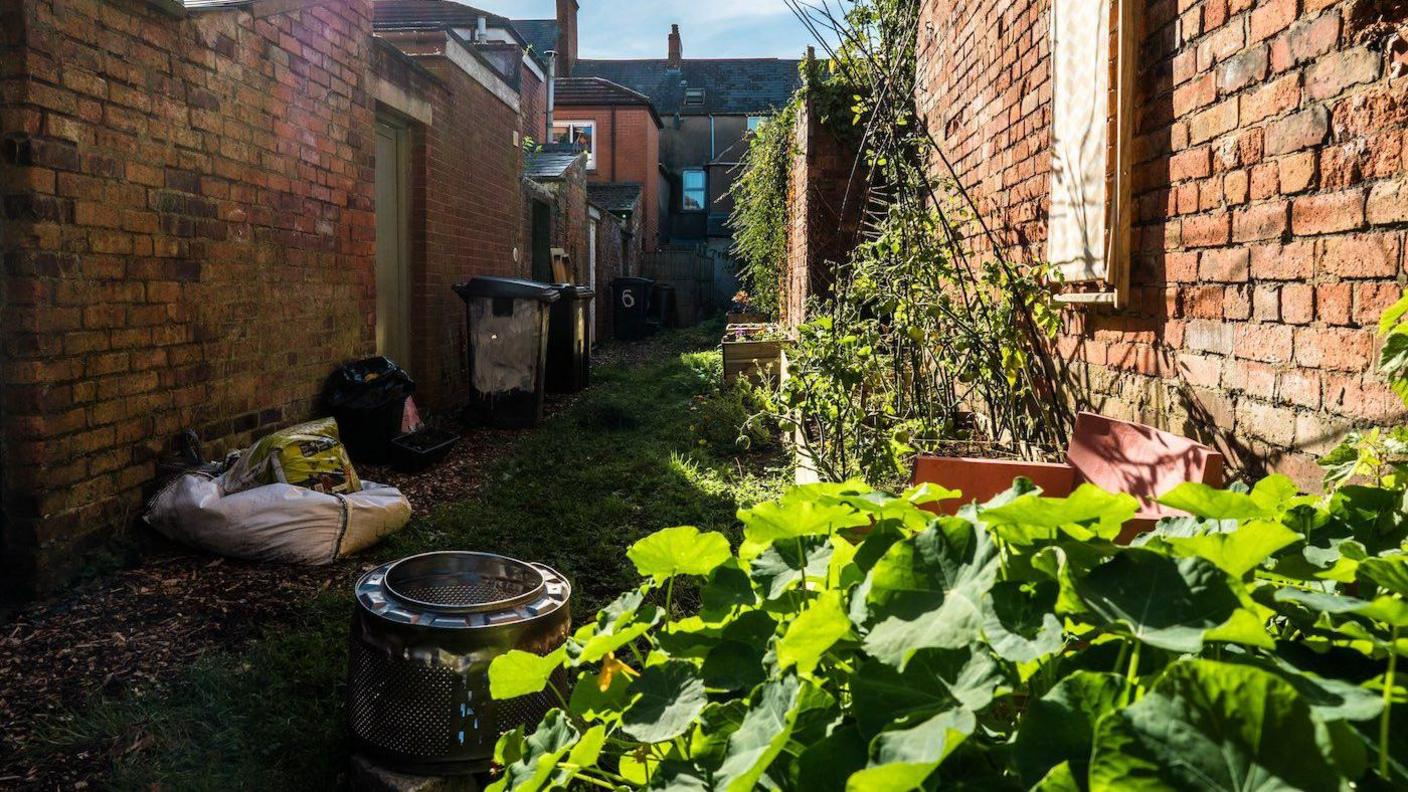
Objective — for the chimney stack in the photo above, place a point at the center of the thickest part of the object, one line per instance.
(566, 37)
(676, 47)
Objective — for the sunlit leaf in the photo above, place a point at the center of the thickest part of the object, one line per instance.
(679, 551)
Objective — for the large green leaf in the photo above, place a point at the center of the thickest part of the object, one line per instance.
(1164, 602)
(935, 681)
(826, 764)
(682, 550)
(536, 767)
(737, 661)
(1018, 621)
(902, 759)
(1237, 552)
(1088, 512)
(592, 703)
(1212, 726)
(1330, 698)
(927, 592)
(518, 673)
(1218, 504)
(786, 564)
(1390, 573)
(1060, 726)
(666, 699)
(794, 516)
(813, 632)
(620, 623)
(761, 737)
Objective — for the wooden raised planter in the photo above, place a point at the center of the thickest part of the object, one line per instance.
(759, 360)
(746, 317)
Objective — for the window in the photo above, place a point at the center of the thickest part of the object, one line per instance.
(694, 97)
(1089, 227)
(754, 122)
(696, 187)
(582, 133)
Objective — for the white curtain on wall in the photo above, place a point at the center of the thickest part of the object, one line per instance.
(1076, 234)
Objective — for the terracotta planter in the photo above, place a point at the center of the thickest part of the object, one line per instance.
(981, 480)
(756, 359)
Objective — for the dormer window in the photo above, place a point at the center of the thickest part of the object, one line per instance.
(694, 97)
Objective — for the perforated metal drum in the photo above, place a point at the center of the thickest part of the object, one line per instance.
(423, 634)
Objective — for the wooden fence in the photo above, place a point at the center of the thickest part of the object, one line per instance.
(693, 273)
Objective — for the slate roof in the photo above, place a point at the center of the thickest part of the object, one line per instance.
(731, 87)
(551, 161)
(540, 34)
(615, 197)
(404, 14)
(599, 92)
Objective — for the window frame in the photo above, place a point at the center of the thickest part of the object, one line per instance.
(1113, 288)
(703, 190)
(571, 125)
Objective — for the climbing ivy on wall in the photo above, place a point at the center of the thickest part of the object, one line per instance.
(929, 336)
(759, 220)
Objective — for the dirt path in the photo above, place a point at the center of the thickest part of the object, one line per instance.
(129, 632)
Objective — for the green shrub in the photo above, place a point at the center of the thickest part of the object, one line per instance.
(857, 641)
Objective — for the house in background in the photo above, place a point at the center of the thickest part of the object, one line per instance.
(620, 131)
(709, 108)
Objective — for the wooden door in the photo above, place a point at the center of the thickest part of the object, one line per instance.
(393, 277)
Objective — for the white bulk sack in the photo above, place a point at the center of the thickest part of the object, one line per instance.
(278, 522)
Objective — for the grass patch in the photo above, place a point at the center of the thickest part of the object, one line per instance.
(640, 451)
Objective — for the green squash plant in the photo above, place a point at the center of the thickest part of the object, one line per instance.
(857, 641)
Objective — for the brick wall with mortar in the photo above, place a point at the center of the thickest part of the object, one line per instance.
(188, 242)
(533, 98)
(465, 205)
(823, 220)
(1271, 202)
(613, 252)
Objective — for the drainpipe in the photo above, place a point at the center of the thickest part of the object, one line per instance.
(552, 91)
(713, 140)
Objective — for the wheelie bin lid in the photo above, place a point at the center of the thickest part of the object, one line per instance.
(511, 288)
(632, 281)
(571, 291)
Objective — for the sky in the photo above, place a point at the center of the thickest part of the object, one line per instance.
(639, 28)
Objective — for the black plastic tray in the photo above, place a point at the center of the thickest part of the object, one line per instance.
(416, 451)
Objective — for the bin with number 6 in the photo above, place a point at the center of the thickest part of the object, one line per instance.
(631, 301)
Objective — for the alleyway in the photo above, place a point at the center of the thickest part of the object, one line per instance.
(198, 673)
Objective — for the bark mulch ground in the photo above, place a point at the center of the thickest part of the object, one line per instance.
(128, 632)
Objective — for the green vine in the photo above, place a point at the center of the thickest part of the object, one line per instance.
(759, 220)
(921, 343)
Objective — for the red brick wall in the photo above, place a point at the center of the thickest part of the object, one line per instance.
(627, 150)
(1270, 210)
(465, 209)
(187, 243)
(611, 262)
(823, 223)
(533, 96)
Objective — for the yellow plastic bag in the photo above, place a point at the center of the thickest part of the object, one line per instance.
(309, 455)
